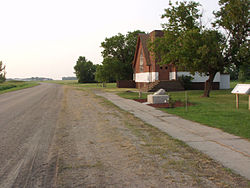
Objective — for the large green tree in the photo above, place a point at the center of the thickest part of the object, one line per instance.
(103, 74)
(2, 72)
(201, 51)
(84, 70)
(233, 18)
(188, 44)
(118, 53)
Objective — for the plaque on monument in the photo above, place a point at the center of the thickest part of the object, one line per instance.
(158, 97)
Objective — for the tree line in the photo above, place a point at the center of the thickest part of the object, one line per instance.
(186, 43)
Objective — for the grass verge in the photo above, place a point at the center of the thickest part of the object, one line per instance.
(216, 111)
(109, 87)
(15, 85)
(175, 155)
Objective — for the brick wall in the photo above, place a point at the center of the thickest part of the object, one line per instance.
(201, 85)
(126, 84)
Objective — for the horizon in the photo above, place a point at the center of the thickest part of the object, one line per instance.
(45, 38)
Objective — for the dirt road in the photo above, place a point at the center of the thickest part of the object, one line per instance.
(27, 123)
(55, 136)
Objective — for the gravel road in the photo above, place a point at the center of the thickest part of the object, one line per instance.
(27, 123)
(56, 136)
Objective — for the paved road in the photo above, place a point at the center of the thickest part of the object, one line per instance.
(27, 123)
(231, 151)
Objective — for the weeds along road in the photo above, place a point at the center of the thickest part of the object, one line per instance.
(57, 136)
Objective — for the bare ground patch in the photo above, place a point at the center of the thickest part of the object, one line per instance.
(100, 145)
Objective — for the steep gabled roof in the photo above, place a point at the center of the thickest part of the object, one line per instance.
(143, 40)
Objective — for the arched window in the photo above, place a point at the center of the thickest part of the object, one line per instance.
(141, 62)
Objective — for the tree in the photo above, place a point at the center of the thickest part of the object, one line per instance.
(244, 73)
(118, 53)
(233, 17)
(188, 44)
(84, 70)
(102, 75)
(2, 72)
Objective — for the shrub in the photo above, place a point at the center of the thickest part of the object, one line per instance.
(185, 81)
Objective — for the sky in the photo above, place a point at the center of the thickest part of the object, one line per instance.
(44, 38)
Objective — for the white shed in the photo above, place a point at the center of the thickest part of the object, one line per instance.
(224, 81)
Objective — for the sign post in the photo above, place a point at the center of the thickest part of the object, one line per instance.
(237, 101)
(249, 102)
(243, 89)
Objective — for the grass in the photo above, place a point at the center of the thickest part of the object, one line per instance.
(109, 87)
(235, 82)
(175, 155)
(15, 85)
(133, 95)
(143, 143)
(216, 111)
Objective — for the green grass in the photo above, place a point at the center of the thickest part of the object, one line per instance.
(15, 85)
(84, 85)
(216, 111)
(133, 95)
(235, 82)
(109, 87)
(69, 82)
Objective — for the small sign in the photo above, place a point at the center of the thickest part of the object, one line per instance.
(242, 89)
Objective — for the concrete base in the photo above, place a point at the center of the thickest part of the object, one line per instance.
(157, 99)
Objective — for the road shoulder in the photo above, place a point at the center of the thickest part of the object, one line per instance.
(231, 151)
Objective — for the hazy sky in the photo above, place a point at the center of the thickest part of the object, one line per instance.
(46, 37)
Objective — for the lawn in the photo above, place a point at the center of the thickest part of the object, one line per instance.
(109, 87)
(15, 85)
(216, 111)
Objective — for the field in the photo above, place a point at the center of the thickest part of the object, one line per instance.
(15, 85)
(109, 87)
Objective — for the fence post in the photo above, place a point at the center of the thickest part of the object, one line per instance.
(237, 101)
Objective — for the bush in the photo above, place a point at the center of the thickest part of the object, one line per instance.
(2, 79)
(185, 81)
(4, 87)
(244, 73)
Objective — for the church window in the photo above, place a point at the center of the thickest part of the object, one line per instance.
(141, 62)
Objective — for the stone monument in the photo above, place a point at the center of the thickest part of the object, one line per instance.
(158, 97)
